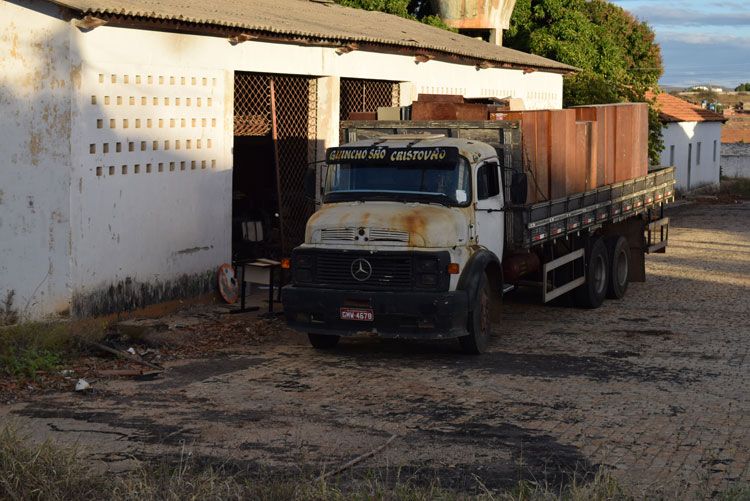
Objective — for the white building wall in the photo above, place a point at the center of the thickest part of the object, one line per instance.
(685, 137)
(735, 160)
(35, 92)
(151, 175)
(130, 167)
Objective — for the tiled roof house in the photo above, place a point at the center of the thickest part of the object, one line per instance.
(692, 141)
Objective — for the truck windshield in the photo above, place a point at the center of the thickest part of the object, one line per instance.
(443, 183)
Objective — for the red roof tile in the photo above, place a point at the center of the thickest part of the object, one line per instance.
(674, 109)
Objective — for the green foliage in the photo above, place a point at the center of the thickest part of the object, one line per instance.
(396, 7)
(27, 362)
(30, 347)
(745, 87)
(415, 10)
(617, 54)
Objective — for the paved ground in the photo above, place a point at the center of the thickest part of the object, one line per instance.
(654, 385)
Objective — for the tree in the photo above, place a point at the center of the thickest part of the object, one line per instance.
(617, 54)
(417, 10)
(745, 87)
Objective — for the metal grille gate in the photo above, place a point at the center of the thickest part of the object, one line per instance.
(359, 95)
(286, 108)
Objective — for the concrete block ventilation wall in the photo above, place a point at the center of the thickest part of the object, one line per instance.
(151, 185)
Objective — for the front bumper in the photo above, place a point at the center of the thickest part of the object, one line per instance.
(406, 315)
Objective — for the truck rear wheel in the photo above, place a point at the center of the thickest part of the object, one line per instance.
(480, 321)
(591, 294)
(618, 252)
(323, 341)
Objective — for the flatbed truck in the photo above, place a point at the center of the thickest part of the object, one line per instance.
(424, 227)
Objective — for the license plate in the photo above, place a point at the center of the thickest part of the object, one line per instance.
(361, 314)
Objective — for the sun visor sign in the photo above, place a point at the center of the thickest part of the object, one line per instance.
(381, 155)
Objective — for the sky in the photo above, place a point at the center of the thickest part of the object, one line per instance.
(702, 42)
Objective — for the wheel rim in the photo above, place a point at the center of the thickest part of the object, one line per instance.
(621, 268)
(597, 274)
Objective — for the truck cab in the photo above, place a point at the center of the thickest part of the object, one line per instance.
(407, 244)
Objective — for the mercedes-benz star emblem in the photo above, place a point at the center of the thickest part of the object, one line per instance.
(361, 269)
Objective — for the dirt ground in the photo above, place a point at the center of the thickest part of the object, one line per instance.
(653, 386)
(736, 129)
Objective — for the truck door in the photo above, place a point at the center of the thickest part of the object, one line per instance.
(490, 221)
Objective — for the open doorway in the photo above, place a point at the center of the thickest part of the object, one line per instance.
(274, 142)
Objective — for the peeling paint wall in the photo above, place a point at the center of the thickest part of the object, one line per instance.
(34, 158)
(117, 161)
(143, 206)
(151, 173)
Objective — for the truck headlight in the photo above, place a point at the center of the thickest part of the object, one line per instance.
(429, 279)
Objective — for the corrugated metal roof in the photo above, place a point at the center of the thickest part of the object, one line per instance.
(315, 20)
(674, 109)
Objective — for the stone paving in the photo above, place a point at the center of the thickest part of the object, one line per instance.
(653, 386)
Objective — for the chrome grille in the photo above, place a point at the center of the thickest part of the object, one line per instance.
(387, 271)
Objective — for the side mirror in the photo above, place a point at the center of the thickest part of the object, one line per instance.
(518, 188)
(309, 183)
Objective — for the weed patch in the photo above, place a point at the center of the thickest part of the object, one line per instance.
(8, 314)
(736, 187)
(30, 348)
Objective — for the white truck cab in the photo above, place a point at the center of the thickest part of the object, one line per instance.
(389, 250)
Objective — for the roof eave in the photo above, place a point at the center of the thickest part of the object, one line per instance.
(268, 34)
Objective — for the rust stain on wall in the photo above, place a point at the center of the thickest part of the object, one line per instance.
(76, 77)
(1, 196)
(35, 147)
(14, 48)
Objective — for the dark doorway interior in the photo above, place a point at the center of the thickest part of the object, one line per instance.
(274, 142)
(255, 224)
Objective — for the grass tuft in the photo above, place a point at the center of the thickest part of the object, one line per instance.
(28, 348)
(737, 187)
(47, 471)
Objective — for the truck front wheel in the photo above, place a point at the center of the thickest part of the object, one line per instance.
(323, 341)
(592, 292)
(480, 321)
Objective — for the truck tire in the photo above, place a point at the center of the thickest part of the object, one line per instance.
(480, 321)
(323, 341)
(591, 294)
(618, 252)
